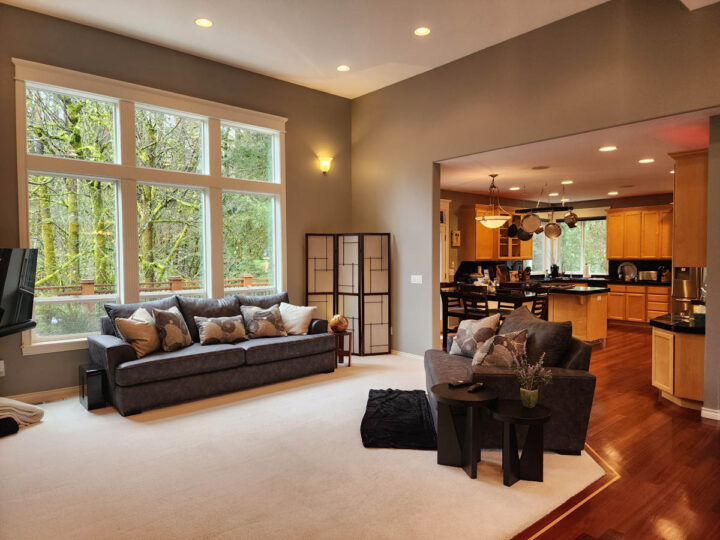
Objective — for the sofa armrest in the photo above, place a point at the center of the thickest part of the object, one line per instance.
(578, 355)
(318, 326)
(109, 352)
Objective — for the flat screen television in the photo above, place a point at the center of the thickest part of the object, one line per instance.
(17, 287)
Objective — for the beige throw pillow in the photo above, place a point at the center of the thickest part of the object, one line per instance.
(220, 329)
(174, 333)
(140, 332)
(296, 319)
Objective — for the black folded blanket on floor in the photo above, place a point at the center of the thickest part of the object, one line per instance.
(8, 426)
(398, 419)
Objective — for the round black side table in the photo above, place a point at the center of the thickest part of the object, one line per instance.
(459, 436)
(528, 466)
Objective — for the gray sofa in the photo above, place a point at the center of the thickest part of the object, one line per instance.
(569, 396)
(164, 378)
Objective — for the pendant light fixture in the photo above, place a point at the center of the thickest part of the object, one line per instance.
(495, 216)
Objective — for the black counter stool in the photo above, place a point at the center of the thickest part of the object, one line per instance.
(529, 466)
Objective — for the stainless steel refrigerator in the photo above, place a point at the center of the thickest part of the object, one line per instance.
(687, 285)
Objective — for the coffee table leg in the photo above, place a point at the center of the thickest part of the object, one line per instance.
(471, 441)
(531, 462)
(449, 452)
(510, 460)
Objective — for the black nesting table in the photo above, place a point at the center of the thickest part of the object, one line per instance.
(459, 438)
(529, 466)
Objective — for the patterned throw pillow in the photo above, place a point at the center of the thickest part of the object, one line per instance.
(471, 332)
(140, 332)
(220, 329)
(501, 350)
(261, 322)
(174, 333)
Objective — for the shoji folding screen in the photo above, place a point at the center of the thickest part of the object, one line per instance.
(350, 274)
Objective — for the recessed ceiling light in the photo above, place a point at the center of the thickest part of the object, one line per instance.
(203, 22)
(553, 194)
(514, 188)
(672, 172)
(567, 182)
(607, 148)
(646, 160)
(422, 31)
(612, 192)
(343, 67)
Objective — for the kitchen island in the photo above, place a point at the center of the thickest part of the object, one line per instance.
(585, 307)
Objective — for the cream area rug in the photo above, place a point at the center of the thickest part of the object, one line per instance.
(283, 461)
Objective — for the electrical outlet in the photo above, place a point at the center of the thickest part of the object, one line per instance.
(2, 368)
(416, 279)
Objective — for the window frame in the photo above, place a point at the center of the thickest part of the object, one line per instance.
(127, 174)
(554, 244)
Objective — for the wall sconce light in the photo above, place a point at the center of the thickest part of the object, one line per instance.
(325, 164)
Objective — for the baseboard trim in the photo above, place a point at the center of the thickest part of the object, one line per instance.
(407, 354)
(711, 414)
(47, 396)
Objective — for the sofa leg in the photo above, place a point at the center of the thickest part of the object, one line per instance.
(568, 452)
(130, 413)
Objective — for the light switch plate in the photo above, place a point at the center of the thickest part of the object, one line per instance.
(416, 279)
(2, 368)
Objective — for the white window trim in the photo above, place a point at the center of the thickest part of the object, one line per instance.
(127, 174)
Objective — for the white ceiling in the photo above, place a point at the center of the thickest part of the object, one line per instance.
(577, 158)
(304, 41)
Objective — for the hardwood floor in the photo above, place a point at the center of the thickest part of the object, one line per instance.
(667, 457)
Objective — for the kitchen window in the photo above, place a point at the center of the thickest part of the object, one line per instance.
(573, 249)
(130, 193)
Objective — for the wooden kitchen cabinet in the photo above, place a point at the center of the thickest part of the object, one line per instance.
(663, 359)
(635, 307)
(639, 233)
(481, 243)
(690, 208)
(616, 306)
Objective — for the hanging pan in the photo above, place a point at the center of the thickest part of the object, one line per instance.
(571, 219)
(552, 229)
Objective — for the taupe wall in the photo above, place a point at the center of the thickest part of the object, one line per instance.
(318, 123)
(712, 321)
(620, 62)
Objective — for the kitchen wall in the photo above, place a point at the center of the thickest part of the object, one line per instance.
(620, 62)
(319, 124)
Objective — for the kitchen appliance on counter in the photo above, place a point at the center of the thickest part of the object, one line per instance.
(554, 270)
(648, 275)
(687, 284)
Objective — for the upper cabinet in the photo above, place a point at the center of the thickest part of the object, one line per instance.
(640, 233)
(690, 230)
(481, 243)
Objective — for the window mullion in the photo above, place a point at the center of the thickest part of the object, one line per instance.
(128, 274)
(213, 150)
(214, 243)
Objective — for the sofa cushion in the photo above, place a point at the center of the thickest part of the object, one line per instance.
(265, 350)
(126, 310)
(551, 338)
(220, 329)
(191, 360)
(264, 302)
(174, 333)
(209, 308)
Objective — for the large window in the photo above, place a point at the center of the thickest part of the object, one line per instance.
(584, 244)
(171, 244)
(130, 193)
(248, 242)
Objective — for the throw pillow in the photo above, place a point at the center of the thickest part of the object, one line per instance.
(501, 350)
(209, 308)
(174, 333)
(471, 332)
(140, 332)
(124, 311)
(220, 329)
(261, 322)
(296, 319)
(551, 338)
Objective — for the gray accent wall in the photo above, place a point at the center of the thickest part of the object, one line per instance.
(712, 319)
(318, 124)
(623, 61)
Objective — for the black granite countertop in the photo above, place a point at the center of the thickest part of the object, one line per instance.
(582, 291)
(675, 323)
(600, 281)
